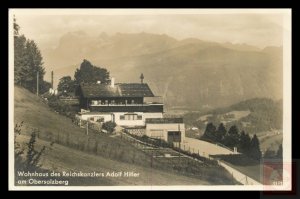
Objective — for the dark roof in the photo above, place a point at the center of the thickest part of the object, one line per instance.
(98, 90)
(163, 120)
(136, 90)
(119, 90)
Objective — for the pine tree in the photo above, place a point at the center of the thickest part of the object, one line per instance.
(220, 133)
(232, 138)
(28, 61)
(20, 60)
(255, 152)
(35, 65)
(245, 141)
(279, 152)
(233, 130)
(210, 132)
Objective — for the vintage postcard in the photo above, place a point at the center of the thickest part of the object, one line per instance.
(150, 99)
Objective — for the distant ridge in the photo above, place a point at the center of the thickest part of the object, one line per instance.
(190, 73)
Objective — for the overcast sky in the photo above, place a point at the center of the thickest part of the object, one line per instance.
(255, 29)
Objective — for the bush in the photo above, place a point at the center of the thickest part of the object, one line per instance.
(28, 157)
(109, 126)
(61, 107)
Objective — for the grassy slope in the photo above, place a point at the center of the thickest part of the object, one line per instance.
(60, 158)
(34, 113)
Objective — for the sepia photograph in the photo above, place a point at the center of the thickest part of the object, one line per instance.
(150, 99)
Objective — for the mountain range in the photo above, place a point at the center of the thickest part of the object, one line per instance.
(190, 74)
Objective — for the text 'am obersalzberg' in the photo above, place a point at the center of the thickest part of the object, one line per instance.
(50, 178)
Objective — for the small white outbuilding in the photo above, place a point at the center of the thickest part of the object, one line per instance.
(171, 130)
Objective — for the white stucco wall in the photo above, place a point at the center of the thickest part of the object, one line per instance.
(135, 122)
(161, 130)
(128, 122)
(152, 115)
(116, 117)
(107, 117)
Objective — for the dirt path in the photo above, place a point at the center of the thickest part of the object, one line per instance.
(204, 148)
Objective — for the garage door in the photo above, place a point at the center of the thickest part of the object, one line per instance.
(174, 136)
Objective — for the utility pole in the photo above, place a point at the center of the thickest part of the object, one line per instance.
(52, 79)
(87, 127)
(151, 159)
(37, 83)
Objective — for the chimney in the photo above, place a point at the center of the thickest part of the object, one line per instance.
(142, 78)
(112, 82)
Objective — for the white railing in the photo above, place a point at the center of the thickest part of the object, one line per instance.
(239, 176)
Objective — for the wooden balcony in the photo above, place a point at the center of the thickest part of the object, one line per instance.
(127, 107)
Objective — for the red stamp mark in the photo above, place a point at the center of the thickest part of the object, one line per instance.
(277, 175)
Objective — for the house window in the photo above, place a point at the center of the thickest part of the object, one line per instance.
(99, 102)
(128, 116)
(132, 101)
(112, 102)
(131, 117)
(174, 136)
(106, 101)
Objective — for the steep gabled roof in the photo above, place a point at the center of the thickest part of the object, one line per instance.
(135, 90)
(98, 90)
(119, 90)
